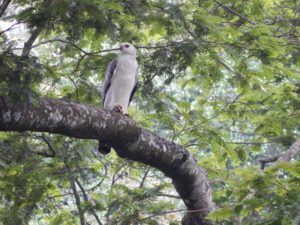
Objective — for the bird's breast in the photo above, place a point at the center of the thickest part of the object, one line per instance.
(129, 66)
(126, 71)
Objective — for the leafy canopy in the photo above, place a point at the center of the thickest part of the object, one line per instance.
(219, 77)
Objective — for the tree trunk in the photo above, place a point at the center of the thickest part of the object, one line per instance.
(125, 136)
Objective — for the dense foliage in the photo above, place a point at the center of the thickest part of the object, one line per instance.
(219, 77)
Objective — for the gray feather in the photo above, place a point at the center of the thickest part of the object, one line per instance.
(135, 86)
(110, 70)
(103, 147)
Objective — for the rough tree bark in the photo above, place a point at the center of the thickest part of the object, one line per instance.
(127, 138)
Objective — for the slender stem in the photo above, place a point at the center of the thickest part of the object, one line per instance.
(172, 211)
(145, 176)
(9, 28)
(76, 194)
(86, 198)
(235, 13)
(49, 144)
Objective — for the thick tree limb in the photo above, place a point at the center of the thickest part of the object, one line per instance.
(127, 138)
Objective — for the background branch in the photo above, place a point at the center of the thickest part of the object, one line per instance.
(285, 157)
(4, 6)
(75, 193)
(86, 198)
(28, 44)
(235, 13)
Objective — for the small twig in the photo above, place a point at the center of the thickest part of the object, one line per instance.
(145, 176)
(98, 184)
(85, 196)
(230, 70)
(115, 177)
(76, 88)
(162, 46)
(173, 211)
(225, 107)
(63, 41)
(235, 13)
(168, 196)
(76, 194)
(74, 45)
(101, 51)
(9, 28)
(116, 174)
(44, 154)
(247, 143)
(49, 144)
(78, 63)
(268, 160)
(106, 50)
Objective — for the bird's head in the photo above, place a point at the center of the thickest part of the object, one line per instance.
(128, 49)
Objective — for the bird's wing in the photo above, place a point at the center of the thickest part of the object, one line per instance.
(135, 86)
(110, 70)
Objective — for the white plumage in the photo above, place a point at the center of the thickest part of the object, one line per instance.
(120, 79)
(120, 84)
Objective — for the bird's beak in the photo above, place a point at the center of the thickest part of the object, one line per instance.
(121, 48)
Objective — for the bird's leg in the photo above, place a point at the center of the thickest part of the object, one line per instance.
(118, 109)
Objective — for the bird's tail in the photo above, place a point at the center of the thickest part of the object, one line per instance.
(104, 148)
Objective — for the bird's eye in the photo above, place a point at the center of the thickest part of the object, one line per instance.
(127, 46)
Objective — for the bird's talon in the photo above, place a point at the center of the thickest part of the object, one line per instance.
(118, 109)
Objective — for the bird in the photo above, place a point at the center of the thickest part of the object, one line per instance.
(120, 84)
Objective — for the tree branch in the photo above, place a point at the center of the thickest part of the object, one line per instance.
(235, 13)
(4, 6)
(86, 53)
(167, 195)
(28, 44)
(86, 198)
(144, 177)
(49, 144)
(74, 46)
(9, 28)
(285, 157)
(75, 193)
(268, 160)
(168, 212)
(290, 153)
(125, 136)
